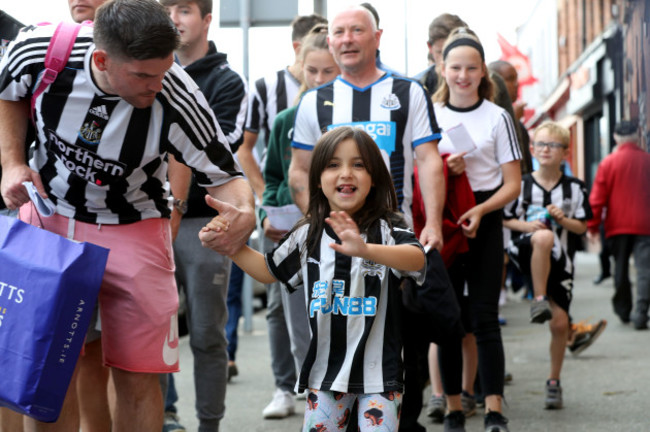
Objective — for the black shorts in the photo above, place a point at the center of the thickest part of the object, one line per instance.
(560, 282)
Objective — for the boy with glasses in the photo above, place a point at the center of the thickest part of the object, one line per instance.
(546, 220)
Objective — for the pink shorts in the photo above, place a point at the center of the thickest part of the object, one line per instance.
(138, 299)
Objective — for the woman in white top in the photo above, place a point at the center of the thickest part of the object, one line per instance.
(491, 161)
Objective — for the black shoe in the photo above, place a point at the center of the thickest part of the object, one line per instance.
(454, 422)
(232, 371)
(625, 319)
(640, 322)
(495, 422)
(601, 277)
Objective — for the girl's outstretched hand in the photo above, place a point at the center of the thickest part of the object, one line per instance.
(347, 230)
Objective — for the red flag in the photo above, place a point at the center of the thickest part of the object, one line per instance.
(521, 62)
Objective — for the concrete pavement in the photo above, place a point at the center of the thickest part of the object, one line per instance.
(606, 388)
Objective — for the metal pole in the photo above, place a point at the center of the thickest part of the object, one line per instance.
(406, 40)
(320, 7)
(245, 24)
(247, 286)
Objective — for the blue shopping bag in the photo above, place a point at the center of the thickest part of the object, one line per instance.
(48, 289)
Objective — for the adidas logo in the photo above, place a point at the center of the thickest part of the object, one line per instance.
(99, 111)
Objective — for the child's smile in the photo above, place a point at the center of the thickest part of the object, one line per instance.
(345, 180)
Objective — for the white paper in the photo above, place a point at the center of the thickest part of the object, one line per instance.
(44, 206)
(460, 138)
(283, 218)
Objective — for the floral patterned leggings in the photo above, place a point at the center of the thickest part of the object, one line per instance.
(329, 411)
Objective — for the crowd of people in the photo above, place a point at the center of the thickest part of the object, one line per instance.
(427, 186)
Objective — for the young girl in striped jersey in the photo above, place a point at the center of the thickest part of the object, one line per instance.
(347, 256)
(492, 168)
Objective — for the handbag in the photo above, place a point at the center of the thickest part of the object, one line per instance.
(48, 290)
(433, 305)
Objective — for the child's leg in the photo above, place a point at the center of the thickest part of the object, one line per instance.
(470, 362)
(470, 368)
(327, 410)
(379, 409)
(434, 371)
(437, 404)
(559, 326)
(540, 260)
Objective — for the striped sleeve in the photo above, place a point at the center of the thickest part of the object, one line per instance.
(192, 126)
(402, 234)
(255, 118)
(284, 262)
(514, 209)
(506, 139)
(422, 116)
(306, 130)
(582, 209)
(24, 61)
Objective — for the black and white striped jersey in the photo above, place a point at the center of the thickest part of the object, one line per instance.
(101, 159)
(493, 132)
(354, 310)
(268, 97)
(394, 111)
(569, 194)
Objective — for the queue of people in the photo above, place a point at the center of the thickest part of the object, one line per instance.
(357, 149)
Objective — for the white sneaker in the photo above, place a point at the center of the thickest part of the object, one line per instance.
(503, 297)
(282, 405)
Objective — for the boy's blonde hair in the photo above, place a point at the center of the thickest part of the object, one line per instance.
(556, 130)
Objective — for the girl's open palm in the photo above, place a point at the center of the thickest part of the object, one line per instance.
(347, 230)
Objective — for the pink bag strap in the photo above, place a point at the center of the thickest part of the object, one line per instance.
(57, 55)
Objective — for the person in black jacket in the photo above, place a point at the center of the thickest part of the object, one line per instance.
(201, 273)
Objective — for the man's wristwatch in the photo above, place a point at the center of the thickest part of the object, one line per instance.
(181, 206)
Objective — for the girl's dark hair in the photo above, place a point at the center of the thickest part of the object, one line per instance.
(485, 89)
(381, 201)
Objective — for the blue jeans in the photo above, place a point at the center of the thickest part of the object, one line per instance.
(234, 308)
(10, 213)
(172, 396)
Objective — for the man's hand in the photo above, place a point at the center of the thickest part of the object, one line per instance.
(14, 192)
(431, 236)
(241, 225)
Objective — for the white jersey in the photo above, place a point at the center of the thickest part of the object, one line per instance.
(394, 111)
(101, 159)
(354, 310)
(493, 133)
